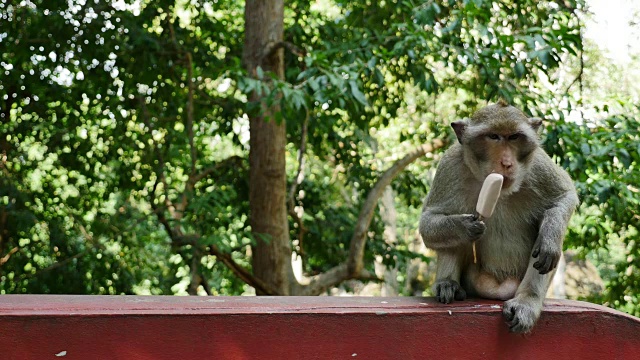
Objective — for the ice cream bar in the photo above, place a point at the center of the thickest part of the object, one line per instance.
(487, 200)
(489, 195)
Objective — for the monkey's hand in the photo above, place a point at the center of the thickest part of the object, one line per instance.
(548, 255)
(521, 313)
(449, 290)
(471, 228)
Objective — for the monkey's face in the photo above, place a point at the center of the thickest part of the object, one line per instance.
(506, 153)
(498, 140)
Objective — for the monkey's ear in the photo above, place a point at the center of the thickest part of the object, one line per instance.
(459, 127)
(535, 123)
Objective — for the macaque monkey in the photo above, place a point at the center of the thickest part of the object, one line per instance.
(519, 247)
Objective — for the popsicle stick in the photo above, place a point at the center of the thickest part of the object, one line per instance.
(475, 257)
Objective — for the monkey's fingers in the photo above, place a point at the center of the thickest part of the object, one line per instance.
(536, 251)
(509, 312)
(460, 294)
(447, 291)
(544, 265)
(521, 324)
(447, 294)
(517, 327)
(512, 320)
(517, 317)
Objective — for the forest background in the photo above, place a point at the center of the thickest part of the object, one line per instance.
(204, 147)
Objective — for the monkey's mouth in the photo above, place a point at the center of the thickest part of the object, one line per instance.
(507, 182)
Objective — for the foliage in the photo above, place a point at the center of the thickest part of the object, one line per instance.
(599, 144)
(124, 131)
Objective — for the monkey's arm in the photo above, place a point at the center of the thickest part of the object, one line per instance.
(440, 231)
(444, 223)
(561, 192)
(548, 248)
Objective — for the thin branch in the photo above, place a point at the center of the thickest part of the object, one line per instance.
(241, 272)
(301, 162)
(235, 159)
(578, 78)
(205, 285)
(3, 159)
(190, 120)
(272, 47)
(58, 264)
(6, 258)
(4, 214)
(172, 32)
(160, 212)
(581, 70)
(196, 279)
(54, 265)
(302, 230)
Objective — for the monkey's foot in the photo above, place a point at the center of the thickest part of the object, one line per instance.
(522, 313)
(449, 290)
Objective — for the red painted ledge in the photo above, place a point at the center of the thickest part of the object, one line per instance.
(166, 327)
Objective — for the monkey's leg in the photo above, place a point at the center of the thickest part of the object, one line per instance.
(448, 269)
(524, 309)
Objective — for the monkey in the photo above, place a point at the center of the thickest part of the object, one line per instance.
(519, 247)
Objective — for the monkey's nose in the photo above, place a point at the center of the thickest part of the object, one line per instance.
(507, 170)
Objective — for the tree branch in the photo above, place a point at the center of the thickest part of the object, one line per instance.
(160, 212)
(578, 78)
(272, 47)
(300, 174)
(235, 159)
(320, 283)
(205, 285)
(354, 268)
(6, 258)
(4, 214)
(241, 272)
(196, 278)
(190, 122)
(54, 265)
(581, 70)
(302, 230)
(358, 240)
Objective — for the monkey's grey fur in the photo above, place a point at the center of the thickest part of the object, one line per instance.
(523, 239)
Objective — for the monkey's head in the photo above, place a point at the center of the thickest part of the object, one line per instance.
(499, 138)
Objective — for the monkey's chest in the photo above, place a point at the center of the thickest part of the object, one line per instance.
(505, 248)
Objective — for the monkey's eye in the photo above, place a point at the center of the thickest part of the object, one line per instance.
(494, 136)
(514, 137)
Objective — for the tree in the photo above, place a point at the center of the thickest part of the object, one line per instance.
(263, 40)
(263, 51)
(140, 118)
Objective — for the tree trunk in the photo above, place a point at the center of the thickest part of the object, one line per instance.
(271, 257)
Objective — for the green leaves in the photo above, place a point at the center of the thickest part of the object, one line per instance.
(164, 102)
(603, 159)
(519, 70)
(356, 93)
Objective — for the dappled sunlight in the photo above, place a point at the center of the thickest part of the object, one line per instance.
(138, 140)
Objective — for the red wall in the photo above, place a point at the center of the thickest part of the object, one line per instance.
(154, 327)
